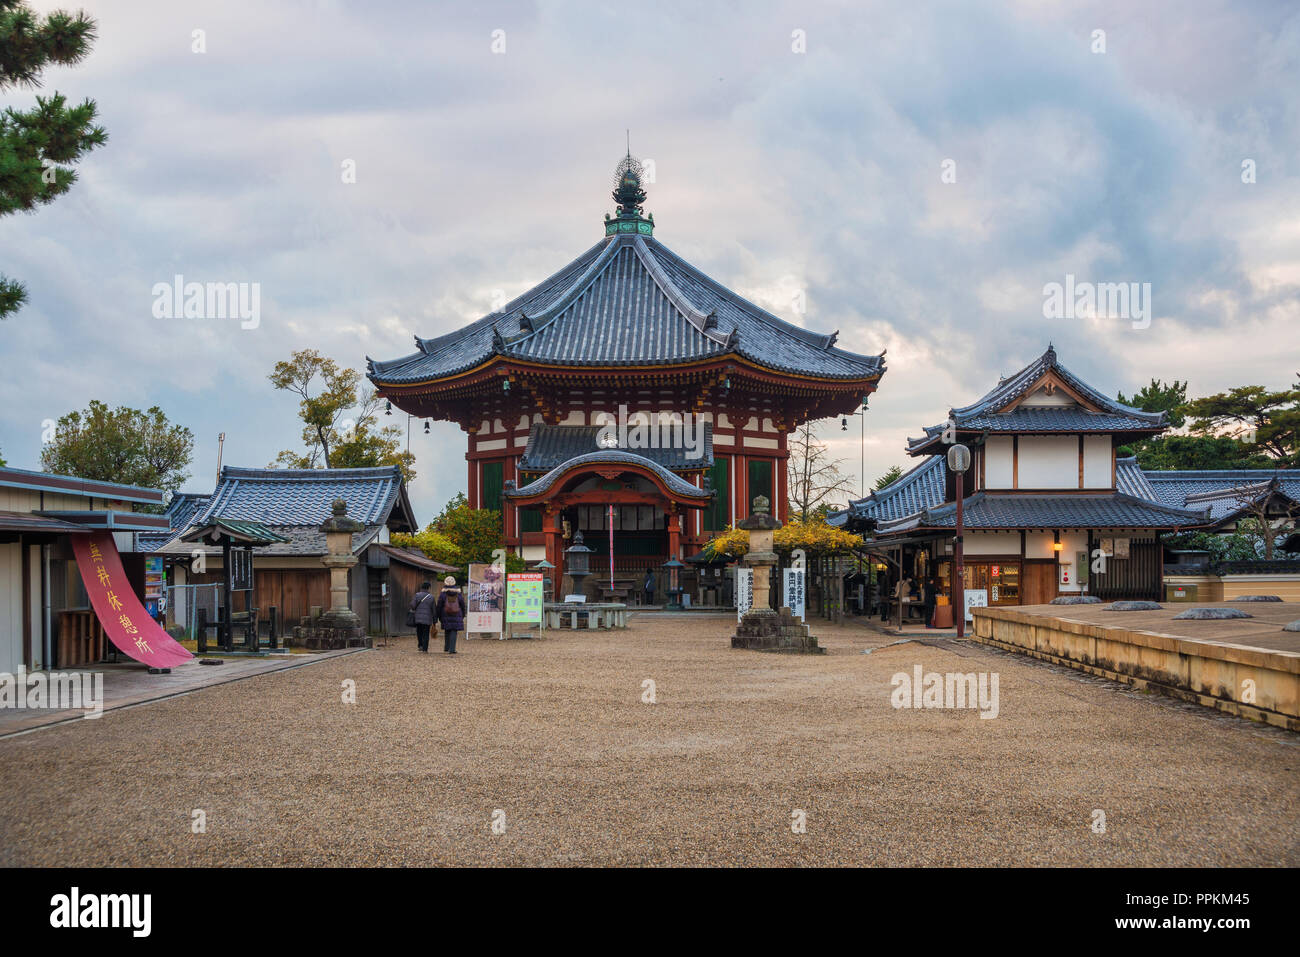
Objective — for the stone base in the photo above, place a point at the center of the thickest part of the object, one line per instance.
(320, 634)
(766, 630)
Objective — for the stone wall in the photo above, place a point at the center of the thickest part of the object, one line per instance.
(1212, 673)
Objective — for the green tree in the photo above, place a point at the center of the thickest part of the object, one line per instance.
(120, 445)
(339, 430)
(1248, 427)
(1159, 397)
(1266, 423)
(461, 535)
(477, 532)
(1196, 452)
(890, 476)
(38, 146)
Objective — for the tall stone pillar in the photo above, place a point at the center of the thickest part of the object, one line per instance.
(339, 626)
(762, 628)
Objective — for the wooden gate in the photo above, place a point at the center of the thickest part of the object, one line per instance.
(1039, 585)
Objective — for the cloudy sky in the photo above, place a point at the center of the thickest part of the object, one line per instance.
(798, 148)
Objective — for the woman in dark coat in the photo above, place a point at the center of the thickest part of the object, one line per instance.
(423, 608)
(451, 614)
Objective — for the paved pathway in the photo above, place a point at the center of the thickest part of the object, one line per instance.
(130, 684)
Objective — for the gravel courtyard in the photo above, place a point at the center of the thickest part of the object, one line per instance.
(554, 734)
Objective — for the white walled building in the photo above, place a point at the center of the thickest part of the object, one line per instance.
(1045, 491)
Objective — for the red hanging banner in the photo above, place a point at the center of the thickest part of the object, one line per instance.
(124, 619)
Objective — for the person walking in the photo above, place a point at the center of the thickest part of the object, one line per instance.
(930, 598)
(649, 587)
(451, 614)
(422, 615)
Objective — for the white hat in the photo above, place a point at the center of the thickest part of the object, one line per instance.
(449, 582)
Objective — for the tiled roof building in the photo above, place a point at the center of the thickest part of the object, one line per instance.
(1044, 496)
(626, 326)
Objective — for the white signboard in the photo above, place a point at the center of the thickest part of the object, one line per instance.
(744, 591)
(487, 599)
(794, 592)
(975, 598)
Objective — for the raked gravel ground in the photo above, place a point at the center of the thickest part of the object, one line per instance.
(555, 735)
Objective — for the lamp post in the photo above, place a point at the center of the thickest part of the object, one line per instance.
(958, 463)
(862, 448)
(578, 562)
(544, 566)
(674, 586)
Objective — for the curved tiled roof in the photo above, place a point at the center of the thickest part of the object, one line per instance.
(985, 413)
(1219, 489)
(304, 496)
(919, 488)
(183, 507)
(628, 301)
(674, 483)
(552, 445)
(1131, 480)
(1113, 510)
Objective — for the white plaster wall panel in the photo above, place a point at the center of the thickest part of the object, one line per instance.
(1040, 399)
(997, 462)
(992, 543)
(1097, 455)
(1048, 461)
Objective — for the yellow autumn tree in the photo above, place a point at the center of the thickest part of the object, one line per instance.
(814, 537)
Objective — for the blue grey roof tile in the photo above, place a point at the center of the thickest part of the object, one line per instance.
(1013, 511)
(986, 413)
(671, 480)
(919, 488)
(628, 301)
(294, 502)
(552, 445)
(1220, 490)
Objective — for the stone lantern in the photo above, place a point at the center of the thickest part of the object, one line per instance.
(339, 626)
(577, 562)
(762, 628)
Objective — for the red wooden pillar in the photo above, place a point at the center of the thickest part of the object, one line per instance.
(674, 531)
(554, 545)
(780, 506)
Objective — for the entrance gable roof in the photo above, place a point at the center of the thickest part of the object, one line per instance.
(675, 485)
(1002, 409)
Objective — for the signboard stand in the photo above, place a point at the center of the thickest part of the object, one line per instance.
(524, 599)
(975, 598)
(795, 593)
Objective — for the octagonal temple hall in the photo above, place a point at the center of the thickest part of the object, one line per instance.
(628, 325)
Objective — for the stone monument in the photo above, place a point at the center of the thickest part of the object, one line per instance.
(339, 627)
(761, 628)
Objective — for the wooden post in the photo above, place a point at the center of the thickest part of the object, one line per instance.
(225, 627)
(959, 570)
(201, 629)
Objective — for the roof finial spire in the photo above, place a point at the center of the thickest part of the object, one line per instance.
(628, 193)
